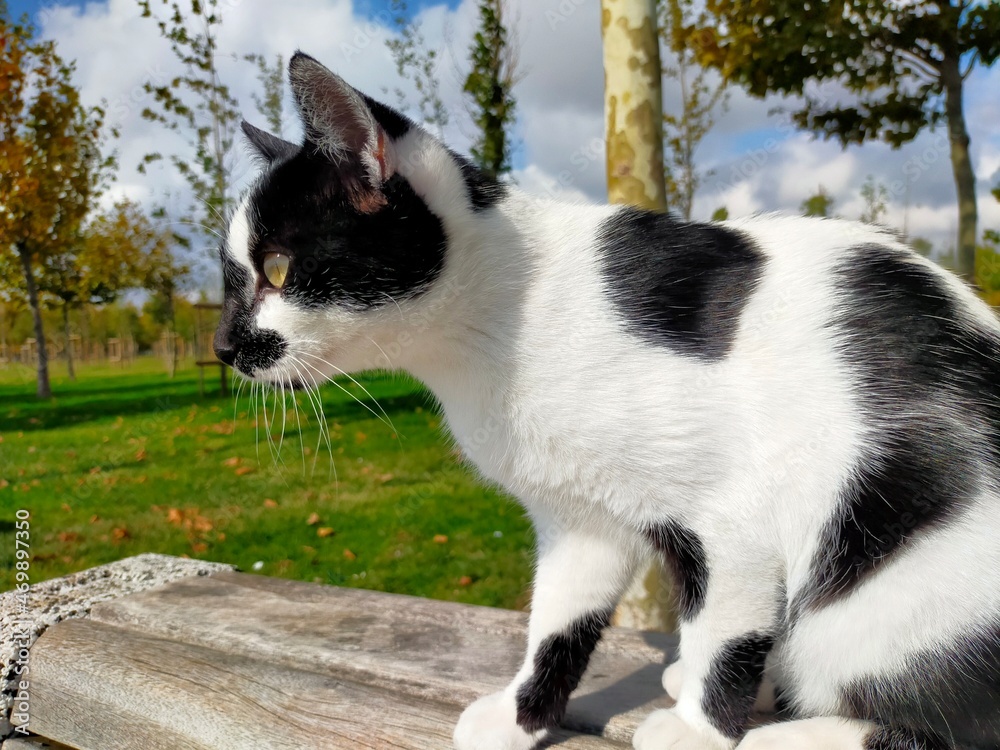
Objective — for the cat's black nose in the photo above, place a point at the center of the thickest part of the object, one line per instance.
(226, 353)
(226, 347)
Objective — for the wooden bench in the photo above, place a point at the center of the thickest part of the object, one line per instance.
(228, 661)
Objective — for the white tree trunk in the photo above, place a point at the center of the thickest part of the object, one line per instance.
(633, 104)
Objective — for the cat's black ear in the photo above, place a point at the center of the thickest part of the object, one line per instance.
(340, 125)
(269, 147)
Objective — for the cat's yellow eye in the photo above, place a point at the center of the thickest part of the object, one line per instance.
(276, 269)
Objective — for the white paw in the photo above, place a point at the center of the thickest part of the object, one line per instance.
(826, 733)
(491, 724)
(672, 678)
(665, 730)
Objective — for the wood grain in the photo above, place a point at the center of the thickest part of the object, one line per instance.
(442, 651)
(234, 662)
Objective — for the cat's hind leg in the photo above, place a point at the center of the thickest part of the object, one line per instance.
(581, 575)
(825, 733)
(834, 733)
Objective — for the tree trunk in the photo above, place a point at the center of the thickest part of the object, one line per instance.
(69, 344)
(633, 108)
(961, 164)
(171, 337)
(44, 389)
(633, 103)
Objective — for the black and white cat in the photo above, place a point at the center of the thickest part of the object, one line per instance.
(801, 416)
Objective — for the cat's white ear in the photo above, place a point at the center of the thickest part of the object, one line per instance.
(338, 122)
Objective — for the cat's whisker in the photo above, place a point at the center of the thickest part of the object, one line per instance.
(317, 406)
(256, 418)
(284, 415)
(384, 417)
(387, 359)
(324, 426)
(298, 420)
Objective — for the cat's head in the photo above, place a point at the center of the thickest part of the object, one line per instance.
(339, 236)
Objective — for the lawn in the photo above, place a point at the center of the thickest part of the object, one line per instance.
(126, 461)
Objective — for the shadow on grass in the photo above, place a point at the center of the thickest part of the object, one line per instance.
(74, 406)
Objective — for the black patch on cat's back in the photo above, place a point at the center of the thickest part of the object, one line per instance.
(927, 380)
(559, 663)
(340, 255)
(684, 556)
(733, 681)
(679, 285)
(946, 698)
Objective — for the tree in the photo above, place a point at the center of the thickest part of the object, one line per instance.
(416, 63)
(490, 85)
(876, 198)
(684, 131)
(272, 82)
(923, 246)
(198, 104)
(818, 204)
(905, 64)
(51, 167)
(633, 104)
(118, 250)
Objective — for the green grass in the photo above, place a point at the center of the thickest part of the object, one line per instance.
(126, 461)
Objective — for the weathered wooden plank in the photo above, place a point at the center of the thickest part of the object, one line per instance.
(32, 743)
(98, 687)
(437, 651)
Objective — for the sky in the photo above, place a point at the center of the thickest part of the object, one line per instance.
(754, 158)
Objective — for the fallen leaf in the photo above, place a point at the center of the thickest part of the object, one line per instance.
(234, 461)
(119, 533)
(68, 536)
(325, 531)
(308, 550)
(313, 519)
(244, 470)
(199, 548)
(383, 478)
(140, 455)
(348, 555)
(269, 503)
(65, 507)
(440, 539)
(360, 437)
(464, 581)
(175, 515)
(95, 518)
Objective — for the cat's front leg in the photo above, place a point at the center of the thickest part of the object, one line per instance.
(730, 605)
(580, 577)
